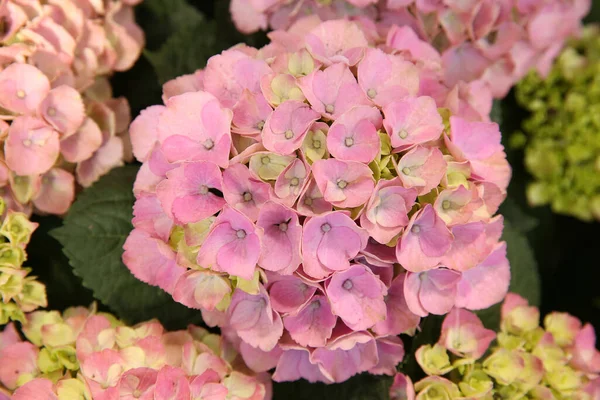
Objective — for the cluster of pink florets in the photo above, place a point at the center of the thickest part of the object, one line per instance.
(494, 40)
(86, 355)
(58, 120)
(316, 197)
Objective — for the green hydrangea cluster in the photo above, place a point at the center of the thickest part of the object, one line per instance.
(19, 293)
(526, 361)
(562, 135)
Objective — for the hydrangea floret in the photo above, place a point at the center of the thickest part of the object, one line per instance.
(20, 292)
(561, 136)
(526, 361)
(59, 123)
(494, 40)
(315, 198)
(84, 354)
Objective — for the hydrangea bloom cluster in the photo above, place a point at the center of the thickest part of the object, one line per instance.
(58, 120)
(19, 293)
(316, 197)
(558, 361)
(82, 354)
(494, 40)
(562, 134)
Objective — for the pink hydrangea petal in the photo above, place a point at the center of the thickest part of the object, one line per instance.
(464, 335)
(336, 41)
(107, 157)
(243, 191)
(411, 121)
(32, 146)
(344, 183)
(399, 318)
(151, 261)
(83, 143)
(353, 136)
(201, 290)
(149, 216)
(422, 168)
(171, 384)
(36, 389)
(286, 127)
(17, 359)
(295, 364)
(357, 297)
(281, 240)
(391, 352)
(313, 324)
(487, 283)
(288, 293)
(56, 193)
(23, 87)
(144, 131)
(63, 109)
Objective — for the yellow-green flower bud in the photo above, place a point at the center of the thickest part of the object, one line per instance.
(73, 389)
(17, 228)
(436, 388)
(476, 385)
(504, 366)
(434, 360)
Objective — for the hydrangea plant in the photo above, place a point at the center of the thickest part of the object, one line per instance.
(497, 41)
(526, 361)
(84, 354)
(59, 123)
(562, 135)
(315, 198)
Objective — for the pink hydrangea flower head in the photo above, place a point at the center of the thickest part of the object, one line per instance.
(463, 334)
(354, 192)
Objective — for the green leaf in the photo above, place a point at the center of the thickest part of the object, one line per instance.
(525, 279)
(361, 387)
(92, 237)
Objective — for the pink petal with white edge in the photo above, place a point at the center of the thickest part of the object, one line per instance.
(487, 283)
(286, 127)
(289, 292)
(356, 296)
(151, 261)
(433, 291)
(32, 146)
(353, 136)
(425, 240)
(63, 109)
(412, 121)
(391, 352)
(104, 367)
(336, 41)
(422, 168)
(386, 213)
(187, 195)
(333, 91)
(313, 324)
(56, 193)
(83, 143)
(386, 78)
(399, 319)
(329, 242)
(201, 290)
(344, 184)
(232, 245)
(349, 354)
(281, 238)
(144, 131)
(22, 88)
(253, 319)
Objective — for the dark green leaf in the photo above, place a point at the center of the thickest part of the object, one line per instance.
(361, 387)
(92, 237)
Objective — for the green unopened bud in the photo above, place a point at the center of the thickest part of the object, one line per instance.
(11, 255)
(476, 385)
(10, 312)
(434, 360)
(48, 362)
(436, 388)
(17, 228)
(504, 366)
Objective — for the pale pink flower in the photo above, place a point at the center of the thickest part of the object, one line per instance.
(357, 297)
(336, 42)
(464, 335)
(289, 293)
(243, 191)
(329, 242)
(232, 245)
(285, 128)
(63, 109)
(344, 183)
(422, 168)
(399, 319)
(402, 388)
(353, 136)
(412, 121)
(432, 291)
(23, 88)
(32, 146)
(281, 238)
(295, 363)
(390, 351)
(311, 325)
